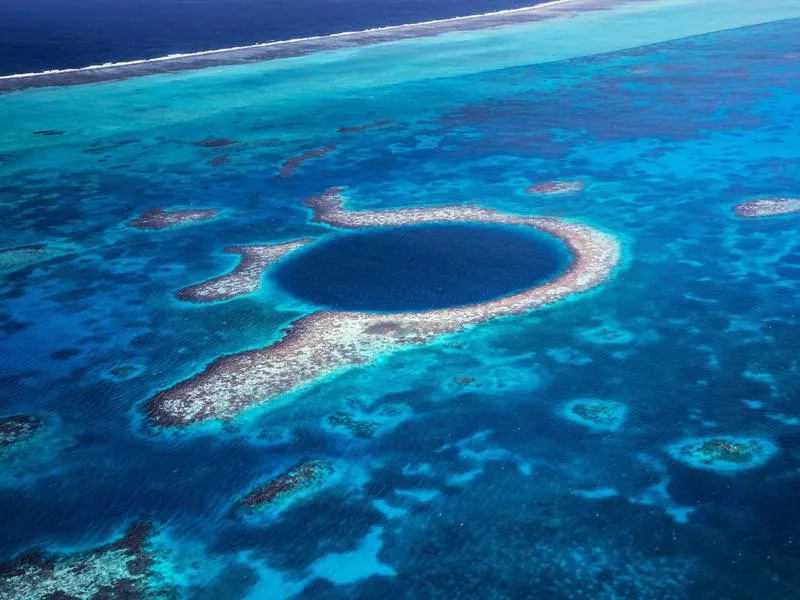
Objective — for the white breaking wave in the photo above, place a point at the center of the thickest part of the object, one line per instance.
(168, 57)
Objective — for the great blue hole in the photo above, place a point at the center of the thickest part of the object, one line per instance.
(421, 267)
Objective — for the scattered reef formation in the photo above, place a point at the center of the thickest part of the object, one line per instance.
(598, 415)
(160, 218)
(302, 479)
(724, 454)
(220, 161)
(291, 165)
(767, 207)
(245, 278)
(360, 428)
(553, 188)
(116, 570)
(360, 128)
(608, 335)
(325, 342)
(362, 423)
(14, 259)
(124, 372)
(17, 429)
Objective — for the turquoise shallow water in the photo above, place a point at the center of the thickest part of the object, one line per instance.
(533, 456)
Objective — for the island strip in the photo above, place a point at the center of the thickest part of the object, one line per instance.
(245, 278)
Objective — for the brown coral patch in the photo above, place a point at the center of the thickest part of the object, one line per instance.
(215, 143)
(361, 128)
(160, 218)
(558, 187)
(292, 164)
(303, 476)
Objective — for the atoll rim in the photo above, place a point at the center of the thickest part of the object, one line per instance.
(325, 342)
(724, 454)
(245, 278)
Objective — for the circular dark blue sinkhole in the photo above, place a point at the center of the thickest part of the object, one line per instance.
(421, 267)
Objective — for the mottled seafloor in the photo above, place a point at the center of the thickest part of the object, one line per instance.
(474, 485)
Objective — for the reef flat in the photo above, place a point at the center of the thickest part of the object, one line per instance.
(119, 569)
(324, 342)
(245, 278)
(767, 207)
(160, 218)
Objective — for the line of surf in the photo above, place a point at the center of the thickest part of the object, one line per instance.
(368, 35)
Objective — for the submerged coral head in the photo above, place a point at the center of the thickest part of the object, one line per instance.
(724, 454)
(598, 415)
(18, 428)
(557, 187)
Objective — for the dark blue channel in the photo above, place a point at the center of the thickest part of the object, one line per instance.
(421, 267)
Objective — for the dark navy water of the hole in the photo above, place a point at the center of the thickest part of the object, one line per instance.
(421, 267)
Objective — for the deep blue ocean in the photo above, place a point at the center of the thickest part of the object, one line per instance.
(59, 34)
(420, 268)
